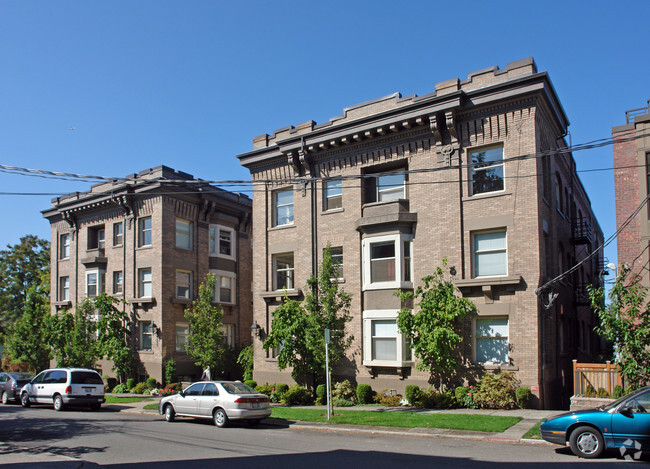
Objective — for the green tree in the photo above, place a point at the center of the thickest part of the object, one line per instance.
(433, 328)
(113, 334)
(245, 359)
(28, 337)
(21, 266)
(206, 340)
(73, 336)
(625, 322)
(298, 328)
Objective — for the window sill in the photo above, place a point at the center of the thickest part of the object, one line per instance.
(62, 304)
(146, 352)
(495, 366)
(142, 301)
(488, 281)
(281, 227)
(334, 210)
(279, 294)
(223, 256)
(389, 286)
(486, 195)
(148, 246)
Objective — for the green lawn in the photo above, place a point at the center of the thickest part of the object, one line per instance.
(151, 407)
(481, 423)
(533, 433)
(124, 400)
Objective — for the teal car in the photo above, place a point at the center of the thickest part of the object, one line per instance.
(623, 424)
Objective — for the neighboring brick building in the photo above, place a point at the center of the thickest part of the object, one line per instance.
(151, 239)
(398, 183)
(632, 185)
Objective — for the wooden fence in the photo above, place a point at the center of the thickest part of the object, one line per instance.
(595, 376)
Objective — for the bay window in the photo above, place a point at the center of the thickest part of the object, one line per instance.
(387, 262)
(384, 344)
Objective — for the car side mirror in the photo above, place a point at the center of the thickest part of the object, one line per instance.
(625, 410)
(181, 393)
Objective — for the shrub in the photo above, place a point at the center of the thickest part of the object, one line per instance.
(386, 398)
(343, 390)
(170, 372)
(166, 392)
(497, 391)
(281, 388)
(121, 388)
(251, 382)
(296, 395)
(364, 394)
(340, 402)
(321, 394)
(140, 388)
(618, 392)
(590, 391)
(130, 383)
(151, 383)
(414, 395)
(460, 392)
(264, 388)
(522, 394)
(602, 392)
(174, 386)
(110, 383)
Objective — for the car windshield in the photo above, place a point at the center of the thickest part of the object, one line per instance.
(617, 402)
(22, 376)
(86, 377)
(238, 388)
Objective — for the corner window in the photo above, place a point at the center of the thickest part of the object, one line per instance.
(385, 187)
(283, 271)
(283, 207)
(146, 334)
(144, 232)
(118, 282)
(182, 335)
(96, 237)
(490, 254)
(64, 246)
(225, 286)
(64, 288)
(387, 262)
(118, 234)
(183, 234)
(487, 170)
(333, 191)
(222, 241)
(95, 283)
(384, 344)
(144, 283)
(184, 284)
(491, 339)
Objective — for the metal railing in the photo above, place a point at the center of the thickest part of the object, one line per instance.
(640, 111)
(589, 378)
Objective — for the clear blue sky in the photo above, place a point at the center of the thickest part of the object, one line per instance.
(111, 88)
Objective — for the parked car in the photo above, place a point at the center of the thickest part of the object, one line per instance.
(624, 423)
(220, 401)
(11, 384)
(60, 387)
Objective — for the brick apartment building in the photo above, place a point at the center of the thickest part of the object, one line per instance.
(399, 183)
(632, 186)
(150, 240)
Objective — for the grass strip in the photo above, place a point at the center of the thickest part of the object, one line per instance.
(151, 407)
(533, 433)
(396, 418)
(124, 400)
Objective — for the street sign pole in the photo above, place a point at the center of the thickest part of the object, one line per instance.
(327, 371)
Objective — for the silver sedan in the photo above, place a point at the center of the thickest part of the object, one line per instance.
(220, 401)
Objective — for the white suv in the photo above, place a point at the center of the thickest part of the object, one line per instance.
(62, 386)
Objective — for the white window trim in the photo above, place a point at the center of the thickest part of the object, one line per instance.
(233, 277)
(142, 334)
(326, 198)
(474, 254)
(115, 243)
(472, 170)
(62, 290)
(141, 232)
(379, 193)
(101, 279)
(474, 338)
(65, 246)
(214, 231)
(399, 281)
(383, 314)
(274, 201)
(274, 271)
(118, 293)
(141, 282)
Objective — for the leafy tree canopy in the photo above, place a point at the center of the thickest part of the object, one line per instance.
(73, 337)
(625, 322)
(113, 334)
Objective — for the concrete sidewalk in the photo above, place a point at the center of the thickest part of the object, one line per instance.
(513, 434)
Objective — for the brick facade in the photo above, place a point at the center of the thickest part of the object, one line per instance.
(165, 196)
(429, 140)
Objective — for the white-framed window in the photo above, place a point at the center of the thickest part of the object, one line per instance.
(96, 237)
(337, 260)
(387, 262)
(145, 283)
(487, 170)
(283, 207)
(229, 335)
(283, 271)
(95, 281)
(144, 231)
(490, 253)
(64, 288)
(184, 284)
(384, 344)
(146, 335)
(183, 234)
(222, 241)
(333, 194)
(491, 339)
(118, 233)
(385, 187)
(118, 282)
(64, 246)
(224, 288)
(182, 336)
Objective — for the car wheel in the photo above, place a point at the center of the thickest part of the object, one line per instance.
(586, 442)
(58, 403)
(24, 400)
(4, 398)
(169, 413)
(220, 418)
